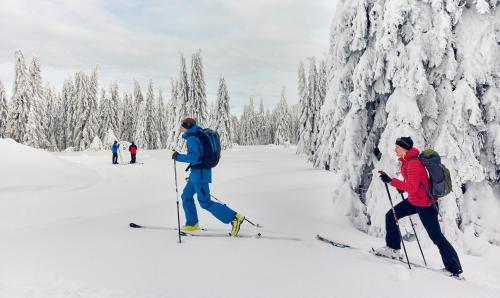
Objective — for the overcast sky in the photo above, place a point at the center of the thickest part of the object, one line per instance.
(256, 44)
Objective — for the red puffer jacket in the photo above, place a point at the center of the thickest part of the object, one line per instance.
(414, 174)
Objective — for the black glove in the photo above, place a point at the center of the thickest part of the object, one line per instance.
(377, 153)
(384, 177)
(400, 191)
(173, 153)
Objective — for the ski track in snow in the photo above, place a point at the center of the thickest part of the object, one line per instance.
(75, 242)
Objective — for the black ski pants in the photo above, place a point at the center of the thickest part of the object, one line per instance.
(115, 158)
(132, 158)
(429, 218)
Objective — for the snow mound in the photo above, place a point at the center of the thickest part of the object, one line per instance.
(28, 169)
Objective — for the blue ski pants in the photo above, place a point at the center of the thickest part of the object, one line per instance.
(202, 191)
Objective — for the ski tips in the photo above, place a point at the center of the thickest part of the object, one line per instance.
(134, 225)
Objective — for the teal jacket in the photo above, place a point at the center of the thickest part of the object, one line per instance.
(193, 156)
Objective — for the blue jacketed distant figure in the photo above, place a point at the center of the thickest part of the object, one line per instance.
(114, 149)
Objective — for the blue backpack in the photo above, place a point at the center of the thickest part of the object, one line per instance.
(210, 141)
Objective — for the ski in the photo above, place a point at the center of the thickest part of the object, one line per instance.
(258, 235)
(204, 232)
(332, 242)
(389, 259)
(137, 226)
(416, 265)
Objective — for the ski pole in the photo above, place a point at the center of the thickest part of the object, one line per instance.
(246, 219)
(415, 232)
(397, 224)
(177, 194)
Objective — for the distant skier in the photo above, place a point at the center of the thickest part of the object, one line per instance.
(198, 142)
(415, 180)
(114, 149)
(133, 151)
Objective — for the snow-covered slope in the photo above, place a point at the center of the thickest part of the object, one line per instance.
(76, 242)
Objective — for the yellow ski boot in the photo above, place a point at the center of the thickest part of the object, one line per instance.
(236, 223)
(193, 228)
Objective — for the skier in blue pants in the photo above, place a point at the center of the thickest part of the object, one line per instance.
(114, 149)
(198, 184)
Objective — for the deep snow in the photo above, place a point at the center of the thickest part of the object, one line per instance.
(64, 233)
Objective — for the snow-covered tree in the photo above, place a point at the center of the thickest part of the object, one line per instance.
(115, 108)
(314, 99)
(235, 123)
(20, 103)
(53, 127)
(104, 114)
(197, 104)
(127, 124)
(305, 128)
(109, 139)
(3, 111)
(173, 118)
(294, 123)
(140, 136)
(222, 121)
(57, 130)
(248, 127)
(152, 131)
(68, 107)
(180, 89)
(263, 130)
(402, 68)
(183, 92)
(282, 118)
(86, 113)
(108, 111)
(162, 119)
(37, 127)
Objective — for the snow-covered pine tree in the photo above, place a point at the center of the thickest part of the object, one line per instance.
(3, 111)
(172, 110)
(86, 113)
(282, 118)
(222, 121)
(262, 129)
(152, 131)
(197, 104)
(57, 132)
(68, 107)
(115, 108)
(181, 107)
(322, 88)
(270, 125)
(313, 92)
(248, 129)
(127, 124)
(140, 136)
(235, 123)
(410, 68)
(305, 125)
(183, 92)
(109, 139)
(20, 103)
(52, 100)
(38, 121)
(104, 114)
(294, 123)
(162, 119)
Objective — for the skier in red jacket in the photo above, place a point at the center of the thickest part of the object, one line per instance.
(133, 151)
(418, 202)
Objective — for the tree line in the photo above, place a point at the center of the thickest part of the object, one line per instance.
(83, 116)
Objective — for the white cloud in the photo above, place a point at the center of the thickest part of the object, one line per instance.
(256, 44)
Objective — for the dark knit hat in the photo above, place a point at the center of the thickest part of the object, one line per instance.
(188, 123)
(405, 142)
